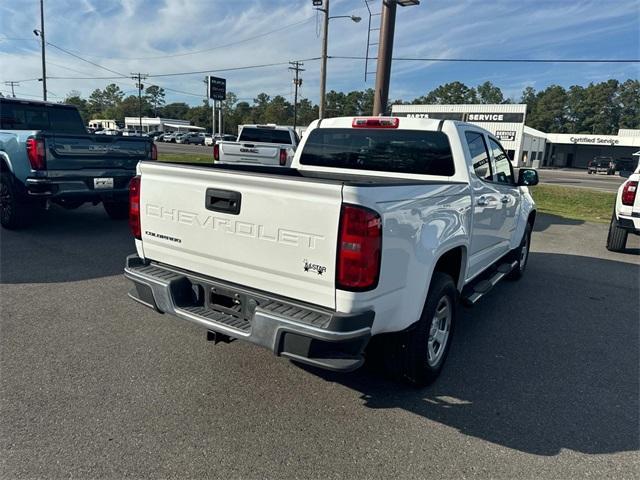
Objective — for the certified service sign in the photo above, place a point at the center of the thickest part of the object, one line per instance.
(506, 135)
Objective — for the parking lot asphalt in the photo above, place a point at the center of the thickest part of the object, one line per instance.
(542, 380)
(580, 178)
(179, 148)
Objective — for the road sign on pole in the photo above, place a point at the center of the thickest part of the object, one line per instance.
(217, 88)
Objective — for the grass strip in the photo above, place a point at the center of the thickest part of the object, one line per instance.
(574, 203)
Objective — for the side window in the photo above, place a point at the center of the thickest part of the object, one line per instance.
(479, 155)
(503, 171)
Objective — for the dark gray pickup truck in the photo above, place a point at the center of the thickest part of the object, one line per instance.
(46, 155)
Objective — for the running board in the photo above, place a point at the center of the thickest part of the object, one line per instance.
(475, 291)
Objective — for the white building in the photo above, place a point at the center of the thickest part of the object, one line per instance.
(577, 149)
(157, 124)
(527, 146)
(102, 124)
(505, 121)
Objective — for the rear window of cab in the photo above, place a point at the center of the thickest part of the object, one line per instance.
(384, 150)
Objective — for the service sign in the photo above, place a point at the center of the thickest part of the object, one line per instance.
(217, 88)
(506, 135)
(487, 117)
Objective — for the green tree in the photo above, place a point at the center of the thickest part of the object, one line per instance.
(155, 96)
(549, 111)
(177, 110)
(451, 93)
(628, 100)
(307, 112)
(279, 111)
(259, 109)
(74, 98)
(488, 93)
(97, 103)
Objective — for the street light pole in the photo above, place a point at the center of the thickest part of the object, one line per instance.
(323, 61)
(385, 52)
(44, 68)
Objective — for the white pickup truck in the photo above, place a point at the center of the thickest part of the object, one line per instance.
(626, 213)
(378, 230)
(259, 145)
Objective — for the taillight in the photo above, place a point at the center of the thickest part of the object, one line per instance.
(36, 154)
(134, 207)
(376, 122)
(359, 248)
(216, 151)
(283, 157)
(154, 152)
(629, 193)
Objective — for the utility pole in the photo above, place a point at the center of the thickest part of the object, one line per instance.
(323, 61)
(139, 77)
(297, 81)
(42, 40)
(12, 84)
(385, 52)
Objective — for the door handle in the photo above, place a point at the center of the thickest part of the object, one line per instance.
(224, 201)
(505, 199)
(483, 201)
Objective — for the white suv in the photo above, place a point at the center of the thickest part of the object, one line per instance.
(626, 213)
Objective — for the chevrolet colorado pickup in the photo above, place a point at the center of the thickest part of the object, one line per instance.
(626, 213)
(46, 155)
(259, 144)
(377, 231)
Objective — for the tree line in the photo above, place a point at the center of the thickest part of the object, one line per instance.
(596, 108)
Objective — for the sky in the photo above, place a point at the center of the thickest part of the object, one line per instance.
(160, 37)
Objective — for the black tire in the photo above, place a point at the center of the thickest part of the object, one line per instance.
(521, 255)
(409, 357)
(116, 210)
(589, 172)
(617, 237)
(14, 214)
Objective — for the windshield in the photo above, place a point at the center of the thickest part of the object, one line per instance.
(386, 150)
(33, 116)
(265, 135)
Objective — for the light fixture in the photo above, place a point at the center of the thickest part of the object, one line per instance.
(408, 3)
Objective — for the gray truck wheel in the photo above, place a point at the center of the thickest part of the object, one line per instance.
(521, 255)
(13, 213)
(617, 237)
(423, 349)
(116, 210)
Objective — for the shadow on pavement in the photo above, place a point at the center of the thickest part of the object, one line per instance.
(65, 246)
(545, 220)
(544, 364)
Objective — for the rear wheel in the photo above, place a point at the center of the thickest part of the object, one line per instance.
(521, 255)
(421, 351)
(617, 237)
(116, 210)
(14, 214)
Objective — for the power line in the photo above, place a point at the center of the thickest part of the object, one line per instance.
(197, 72)
(122, 75)
(230, 69)
(493, 60)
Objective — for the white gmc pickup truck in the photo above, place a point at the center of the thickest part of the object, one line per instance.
(259, 145)
(380, 227)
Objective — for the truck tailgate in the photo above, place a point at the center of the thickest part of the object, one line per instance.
(258, 153)
(280, 235)
(71, 152)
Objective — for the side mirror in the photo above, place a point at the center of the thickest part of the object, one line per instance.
(528, 177)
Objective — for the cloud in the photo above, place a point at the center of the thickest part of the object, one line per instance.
(116, 34)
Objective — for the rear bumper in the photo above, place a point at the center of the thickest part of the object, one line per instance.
(629, 223)
(308, 334)
(79, 185)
